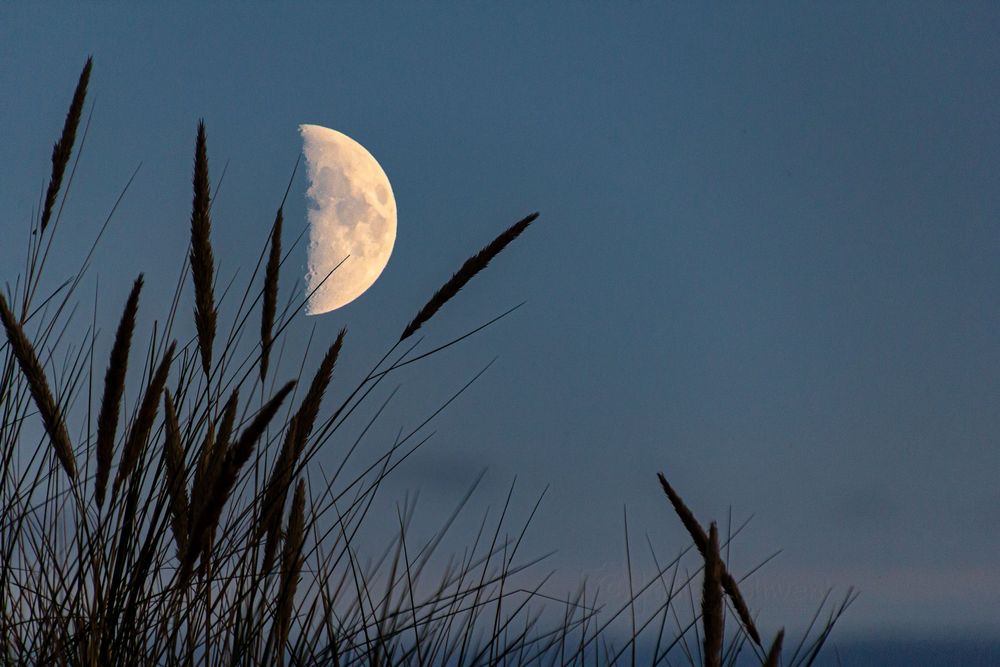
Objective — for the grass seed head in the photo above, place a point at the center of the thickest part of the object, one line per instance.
(202, 260)
(114, 389)
(63, 149)
(465, 273)
(33, 372)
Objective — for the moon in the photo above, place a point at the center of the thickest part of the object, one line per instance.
(352, 218)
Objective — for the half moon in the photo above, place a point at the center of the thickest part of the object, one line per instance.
(352, 218)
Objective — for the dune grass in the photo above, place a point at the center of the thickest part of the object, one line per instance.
(214, 546)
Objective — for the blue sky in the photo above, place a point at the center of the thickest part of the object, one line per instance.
(768, 260)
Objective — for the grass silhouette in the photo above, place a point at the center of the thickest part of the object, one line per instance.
(213, 547)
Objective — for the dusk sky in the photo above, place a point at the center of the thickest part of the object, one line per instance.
(767, 261)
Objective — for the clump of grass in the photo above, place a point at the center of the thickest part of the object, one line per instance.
(193, 559)
(230, 460)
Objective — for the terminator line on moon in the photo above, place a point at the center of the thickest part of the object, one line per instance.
(352, 218)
